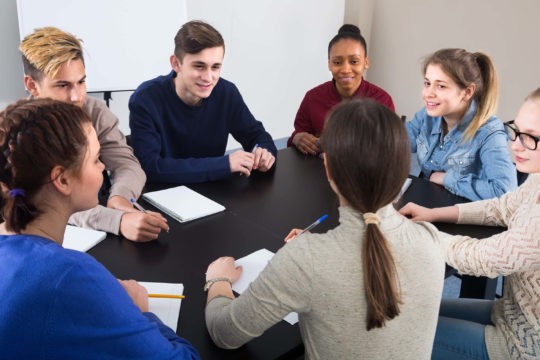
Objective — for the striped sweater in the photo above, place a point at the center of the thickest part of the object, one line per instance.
(516, 255)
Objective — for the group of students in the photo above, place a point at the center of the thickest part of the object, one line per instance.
(370, 288)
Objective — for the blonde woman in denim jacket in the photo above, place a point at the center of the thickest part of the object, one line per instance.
(460, 144)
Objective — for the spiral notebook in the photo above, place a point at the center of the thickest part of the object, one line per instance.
(182, 203)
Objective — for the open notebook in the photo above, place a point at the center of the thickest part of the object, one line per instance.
(167, 310)
(76, 238)
(182, 203)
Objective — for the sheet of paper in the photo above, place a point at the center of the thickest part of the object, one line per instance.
(167, 310)
(182, 203)
(405, 186)
(77, 238)
(252, 265)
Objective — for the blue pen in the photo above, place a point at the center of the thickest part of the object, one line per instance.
(255, 148)
(137, 205)
(317, 222)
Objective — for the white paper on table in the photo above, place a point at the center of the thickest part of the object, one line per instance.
(80, 239)
(252, 265)
(404, 188)
(167, 310)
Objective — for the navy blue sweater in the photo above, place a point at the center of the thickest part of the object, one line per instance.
(180, 144)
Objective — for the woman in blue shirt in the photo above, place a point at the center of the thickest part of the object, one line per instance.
(459, 142)
(59, 303)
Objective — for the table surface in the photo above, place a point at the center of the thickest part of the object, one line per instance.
(260, 211)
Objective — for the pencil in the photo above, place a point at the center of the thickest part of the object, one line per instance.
(166, 296)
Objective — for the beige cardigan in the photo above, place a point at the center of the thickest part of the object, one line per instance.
(516, 255)
(126, 174)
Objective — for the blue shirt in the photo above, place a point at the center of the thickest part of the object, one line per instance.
(178, 143)
(63, 304)
(477, 169)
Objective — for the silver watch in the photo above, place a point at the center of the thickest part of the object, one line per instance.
(211, 282)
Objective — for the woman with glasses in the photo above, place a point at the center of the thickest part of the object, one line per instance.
(459, 142)
(507, 328)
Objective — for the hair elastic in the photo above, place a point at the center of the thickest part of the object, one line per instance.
(371, 218)
(17, 192)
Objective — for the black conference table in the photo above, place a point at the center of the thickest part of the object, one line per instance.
(260, 211)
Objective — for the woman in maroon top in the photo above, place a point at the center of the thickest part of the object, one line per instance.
(347, 61)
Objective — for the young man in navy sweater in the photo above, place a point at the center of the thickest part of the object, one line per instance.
(180, 122)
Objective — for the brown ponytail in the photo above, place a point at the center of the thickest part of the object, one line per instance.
(35, 136)
(367, 152)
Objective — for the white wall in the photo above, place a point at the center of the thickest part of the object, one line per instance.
(275, 51)
(404, 32)
(11, 84)
(277, 65)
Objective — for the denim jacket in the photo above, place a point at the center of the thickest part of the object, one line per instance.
(477, 169)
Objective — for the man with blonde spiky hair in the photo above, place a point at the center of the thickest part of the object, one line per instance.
(54, 67)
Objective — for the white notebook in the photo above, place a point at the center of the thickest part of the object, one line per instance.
(182, 203)
(80, 239)
(167, 310)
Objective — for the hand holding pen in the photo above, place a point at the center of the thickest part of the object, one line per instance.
(297, 232)
(141, 225)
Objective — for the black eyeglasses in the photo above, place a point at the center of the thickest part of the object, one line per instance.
(527, 140)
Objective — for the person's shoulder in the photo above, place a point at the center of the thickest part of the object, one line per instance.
(321, 89)
(492, 127)
(374, 91)
(54, 258)
(94, 105)
(153, 85)
(493, 124)
(225, 86)
(421, 116)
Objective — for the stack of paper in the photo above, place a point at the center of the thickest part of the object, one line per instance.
(182, 203)
(80, 239)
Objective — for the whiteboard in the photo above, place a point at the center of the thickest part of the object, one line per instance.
(125, 42)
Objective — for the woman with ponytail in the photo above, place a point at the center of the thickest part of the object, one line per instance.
(368, 289)
(59, 303)
(509, 327)
(459, 141)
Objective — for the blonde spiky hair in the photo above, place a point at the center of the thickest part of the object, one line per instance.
(47, 49)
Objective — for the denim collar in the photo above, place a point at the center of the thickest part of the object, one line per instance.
(458, 130)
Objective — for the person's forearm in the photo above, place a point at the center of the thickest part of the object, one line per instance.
(222, 288)
(448, 214)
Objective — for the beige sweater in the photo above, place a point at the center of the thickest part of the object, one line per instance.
(320, 277)
(127, 176)
(514, 253)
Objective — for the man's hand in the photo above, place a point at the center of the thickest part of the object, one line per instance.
(263, 160)
(242, 162)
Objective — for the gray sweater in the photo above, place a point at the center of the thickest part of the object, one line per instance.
(320, 277)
